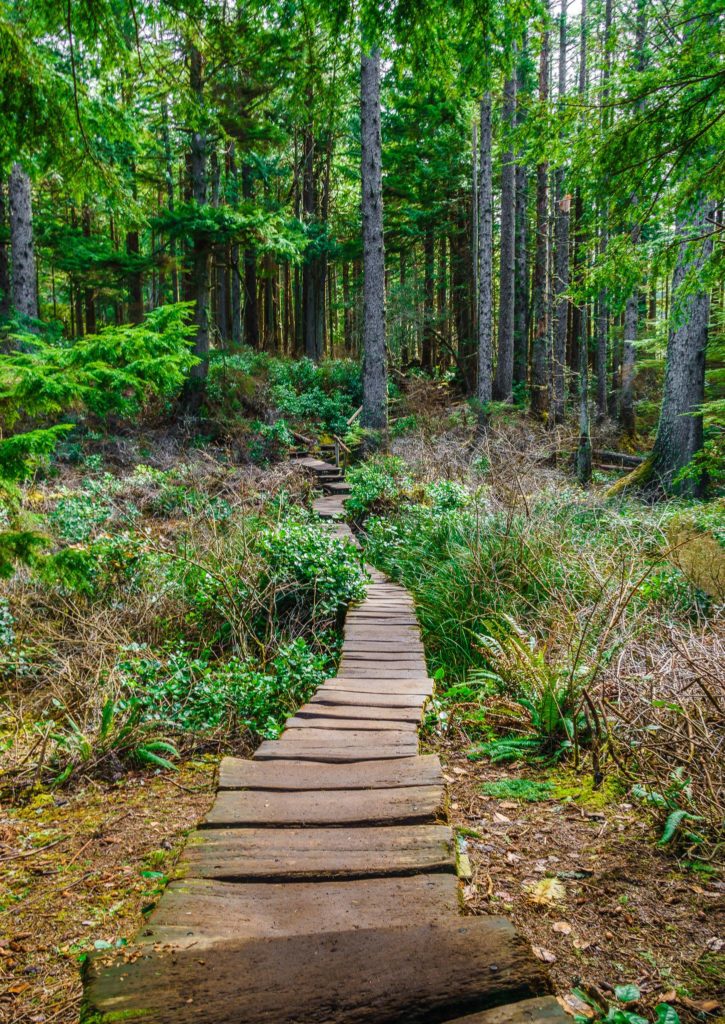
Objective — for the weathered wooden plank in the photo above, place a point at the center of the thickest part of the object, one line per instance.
(412, 684)
(309, 854)
(412, 974)
(353, 737)
(345, 712)
(240, 773)
(410, 805)
(201, 912)
(358, 724)
(545, 1009)
(379, 668)
(329, 753)
(354, 698)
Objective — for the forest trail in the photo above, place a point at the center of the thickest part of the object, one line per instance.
(322, 885)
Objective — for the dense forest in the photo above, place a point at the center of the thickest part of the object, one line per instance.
(473, 253)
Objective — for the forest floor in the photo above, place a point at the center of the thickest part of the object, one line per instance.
(581, 878)
(77, 869)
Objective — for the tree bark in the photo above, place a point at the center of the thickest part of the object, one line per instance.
(484, 389)
(503, 384)
(4, 257)
(680, 429)
(539, 375)
(584, 451)
(428, 298)
(561, 268)
(200, 277)
(631, 315)
(251, 309)
(375, 375)
(22, 249)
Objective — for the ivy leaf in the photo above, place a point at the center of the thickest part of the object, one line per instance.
(627, 993)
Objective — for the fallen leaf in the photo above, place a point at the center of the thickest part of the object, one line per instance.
(544, 954)
(581, 944)
(18, 987)
(512, 858)
(500, 819)
(563, 927)
(547, 892)
(715, 944)
(460, 771)
(576, 1006)
(700, 1005)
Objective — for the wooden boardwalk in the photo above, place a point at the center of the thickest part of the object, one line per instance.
(321, 888)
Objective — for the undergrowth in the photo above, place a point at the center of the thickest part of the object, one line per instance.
(533, 610)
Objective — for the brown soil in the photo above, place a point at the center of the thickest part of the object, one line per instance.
(107, 851)
(628, 912)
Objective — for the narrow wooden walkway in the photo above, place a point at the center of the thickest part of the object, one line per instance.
(321, 887)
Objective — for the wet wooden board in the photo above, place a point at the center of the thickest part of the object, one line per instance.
(239, 773)
(545, 1009)
(345, 807)
(307, 854)
(412, 973)
(202, 912)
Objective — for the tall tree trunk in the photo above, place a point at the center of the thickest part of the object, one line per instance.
(4, 258)
(680, 429)
(348, 310)
(169, 176)
(200, 282)
(484, 389)
(539, 373)
(461, 285)
(503, 385)
(89, 298)
(235, 284)
(375, 374)
(584, 451)
(631, 315)
(135, 289)
(521, 279)
(251, 309)
(602, 331)
(310, 270)
(428, 295)
(561, 268)
(24, 271)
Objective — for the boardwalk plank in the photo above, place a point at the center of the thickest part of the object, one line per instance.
(344, 712)
(239, 773)
(309, 854)
(405, 806)
(220, 911)
(358, 723)
(412, 974)
(545, 1010)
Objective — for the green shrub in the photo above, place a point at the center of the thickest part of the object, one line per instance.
(200, 694)
(270, 442)
(377, 486)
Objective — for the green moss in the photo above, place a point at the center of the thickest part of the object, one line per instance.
(527, 790)
(580, 789)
